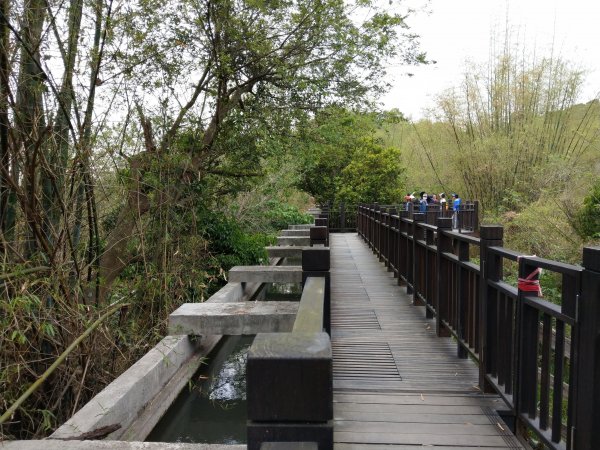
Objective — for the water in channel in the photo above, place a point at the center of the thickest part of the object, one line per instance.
(212, 409)
(281, 292)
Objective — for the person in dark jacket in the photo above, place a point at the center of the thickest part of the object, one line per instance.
(423, 202)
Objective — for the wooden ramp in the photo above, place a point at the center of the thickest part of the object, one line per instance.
(395, 383)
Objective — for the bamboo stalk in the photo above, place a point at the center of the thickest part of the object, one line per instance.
(10, 411)
(19, 273)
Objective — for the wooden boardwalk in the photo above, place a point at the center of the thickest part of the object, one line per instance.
(395, 383)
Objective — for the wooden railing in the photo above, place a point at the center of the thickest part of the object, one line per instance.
(344, 217)
(518, 340)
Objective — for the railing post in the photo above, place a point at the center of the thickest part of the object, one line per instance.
(490, 236)
(431, 269)
(410, 257)
(377, 242)
(402, 247)
(392, 241)
(371, 225)
(319, 235)
(442, 299)
(289, 384)
(417, 233)
(342, 217)
(461, 307)
(433, 212)
(383, 236)
(587, 374)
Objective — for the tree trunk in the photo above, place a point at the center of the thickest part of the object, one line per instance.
(119, 251)
(6, 211)
(29, 114)
(52, 178)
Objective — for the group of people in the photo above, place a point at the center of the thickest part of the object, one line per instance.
(425, 199)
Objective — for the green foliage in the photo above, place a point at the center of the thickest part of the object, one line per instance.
(588, 217)
(375, 173)
(539, 229)
(280, 215)
(344, 159)
(228, 244)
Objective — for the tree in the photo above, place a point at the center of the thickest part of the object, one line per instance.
(344, 159)
(291, 57)
(375, 174)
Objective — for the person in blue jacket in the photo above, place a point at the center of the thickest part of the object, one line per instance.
(456, 201)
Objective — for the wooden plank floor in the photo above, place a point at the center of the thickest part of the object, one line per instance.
(395, 383)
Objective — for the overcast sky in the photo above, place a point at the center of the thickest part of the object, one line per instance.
(453, 31)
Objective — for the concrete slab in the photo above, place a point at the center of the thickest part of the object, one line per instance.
(233, 318)
(312, 307)
(265, 274)
(118, 404)
(285, 251)
(302, 226)
(234, 292)
(293, 240)
(295, 232)
(49, 444)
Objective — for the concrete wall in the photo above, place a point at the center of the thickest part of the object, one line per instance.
(137, 399)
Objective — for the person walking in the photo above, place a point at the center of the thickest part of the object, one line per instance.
(443, 202)
(456, 201)
(423, 202)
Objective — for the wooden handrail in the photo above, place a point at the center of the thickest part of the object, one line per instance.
(504, 329)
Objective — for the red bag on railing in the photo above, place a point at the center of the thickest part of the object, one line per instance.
(531, 283)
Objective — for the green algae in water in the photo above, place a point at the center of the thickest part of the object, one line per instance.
(212, 410)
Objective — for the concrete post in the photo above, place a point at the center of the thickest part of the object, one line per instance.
(316, 263)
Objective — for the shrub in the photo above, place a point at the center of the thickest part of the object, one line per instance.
(280, 215)
(588, 219)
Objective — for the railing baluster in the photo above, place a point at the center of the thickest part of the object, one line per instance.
(545, 375)
(559, 362)
(442, 298)
(462, 299)
(431, 273)
(491, 236)
(528, 350)
(510, 343)
(409, 257)
(417, 275)
(501, 337)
